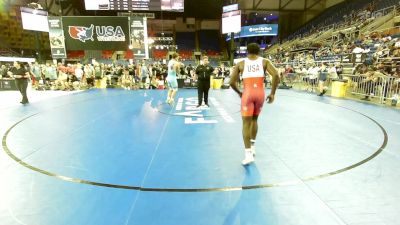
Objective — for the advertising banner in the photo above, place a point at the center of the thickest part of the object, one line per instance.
(96, 32)
(257, 30)
(139, 43)
(57, 39)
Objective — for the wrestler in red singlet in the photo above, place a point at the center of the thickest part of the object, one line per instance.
(253, 87)
(253, 71)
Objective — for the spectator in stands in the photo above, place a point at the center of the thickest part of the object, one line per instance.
(332, 71)
(357, 32)
(72, 82)
(78, 72)
(108, 73)
(126, 79)
(21, 77)
(287, 75)
(395, 51)
(309, 59)
(396, 82)
(50, 74)
(144, 75)
(323, 76)
(3, 71)
(60, 83)
(358, 50)
(192, 76)
(357, 75)
(70, 69)
(366, 49)
(301, 71)
(153, 83)
(384, 69)
(339, 69)
(150, 69)
(190, 69)
(223, 71)
(313, 73)
(37, 74)
(98, 71)
(89, 75)
(132, 70)
(156, 70)
(203, 72)
(161, 83)
(369, 83)
(363, 69)
(342, 36)
(216, 72)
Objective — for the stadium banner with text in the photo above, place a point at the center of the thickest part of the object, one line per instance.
(257, 30)
(96, 32)
(57, 39)
(354, 58)
(139, 43)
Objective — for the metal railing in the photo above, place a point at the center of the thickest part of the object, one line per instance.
(382, 88)
(383, 12)
(388, 59)
(389, 31)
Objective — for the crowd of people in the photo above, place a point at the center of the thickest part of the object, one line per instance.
(142, 74)
(373, 56)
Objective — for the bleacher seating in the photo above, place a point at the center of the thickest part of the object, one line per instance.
(107, 54)
(214, 62)
(333, 15)
(187, 62)
(75, 54)
(213, 54)
(159, 54)
(382, 4)
(105, 61)
(185, 54)
(185, 40)
(209, 40)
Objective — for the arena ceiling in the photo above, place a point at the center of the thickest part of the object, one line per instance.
(214, 7)
(284, 5)
(292, 13)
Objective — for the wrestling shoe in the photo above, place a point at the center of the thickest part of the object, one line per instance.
(248, 158)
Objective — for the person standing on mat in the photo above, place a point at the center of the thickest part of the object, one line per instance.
(253, 70)
(323, 76)
(203, 73)
(173, 70)
(21, 76)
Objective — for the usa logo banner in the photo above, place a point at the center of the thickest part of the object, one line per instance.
(81, 33)
(97, 33)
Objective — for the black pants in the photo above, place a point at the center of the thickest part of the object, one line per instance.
(202, 88)
(90, 81)
(22, 85)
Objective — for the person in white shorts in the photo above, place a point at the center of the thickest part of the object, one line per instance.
(173, 70)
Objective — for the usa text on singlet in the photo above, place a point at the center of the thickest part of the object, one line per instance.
(253, 73)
